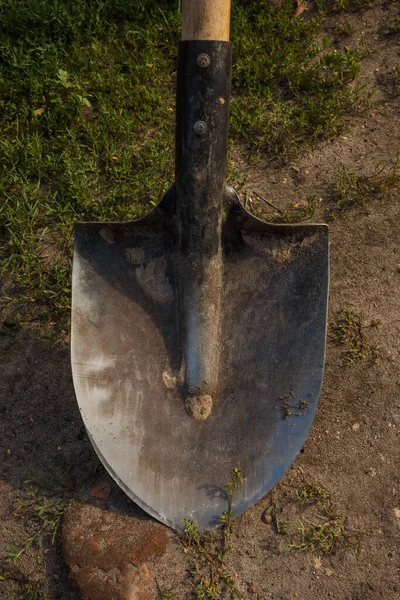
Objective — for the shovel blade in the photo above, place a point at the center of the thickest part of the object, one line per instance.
(127, 360)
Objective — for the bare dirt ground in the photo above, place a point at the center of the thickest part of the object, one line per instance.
(352, 452)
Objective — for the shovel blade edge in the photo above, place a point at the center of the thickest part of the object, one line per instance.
(127, 360)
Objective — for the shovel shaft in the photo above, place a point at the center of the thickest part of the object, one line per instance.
(206, 20)
(201, 158)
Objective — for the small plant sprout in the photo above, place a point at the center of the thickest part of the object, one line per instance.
(347, 331)
(351, 189)
(329, 537)
(231, 487)
(209, 577)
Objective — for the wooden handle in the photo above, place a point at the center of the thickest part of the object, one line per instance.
(206, 20)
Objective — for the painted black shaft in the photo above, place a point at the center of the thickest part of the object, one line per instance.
(203, 93)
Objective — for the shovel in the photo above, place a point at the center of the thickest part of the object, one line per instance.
(198, 331)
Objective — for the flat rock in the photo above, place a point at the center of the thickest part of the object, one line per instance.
(107, 553)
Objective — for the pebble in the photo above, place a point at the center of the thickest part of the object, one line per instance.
(266, 517)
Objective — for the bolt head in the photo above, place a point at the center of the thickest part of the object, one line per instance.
(203, 60)
(200, 127)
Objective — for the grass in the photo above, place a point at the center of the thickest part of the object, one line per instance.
(87, 116)
(351, 189)
(42, 516)
(347, 330)
(394, 26)
(83, 136)
(28, 590)
(165, 594)
(46, 516)
(396, 81)
(288, 89)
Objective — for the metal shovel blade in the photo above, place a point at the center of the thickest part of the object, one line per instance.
(128, 359)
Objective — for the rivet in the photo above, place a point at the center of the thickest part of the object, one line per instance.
(203, 60)
(200, 127)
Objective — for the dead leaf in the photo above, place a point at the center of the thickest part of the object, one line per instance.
(397, 514)
(101, 491)
(300, 8)
(145, 571)
(317, 562)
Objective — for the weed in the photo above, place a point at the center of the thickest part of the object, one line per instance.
(394, 25)
(316, 494)
(29, 590)
(208, 573)
(43, 516)
(165, 594)
(226, 517)
(351, 189)
(347, 330)
(316, 503)
(329, 537)
(342, 27)
(46, 514)
(396, 77)
(281, 525)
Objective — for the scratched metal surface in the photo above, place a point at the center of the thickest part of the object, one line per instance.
(127, 360)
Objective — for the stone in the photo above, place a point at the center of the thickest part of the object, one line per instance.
(107, 553)
(266, 517)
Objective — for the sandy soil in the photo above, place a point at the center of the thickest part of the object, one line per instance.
(353, 449)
